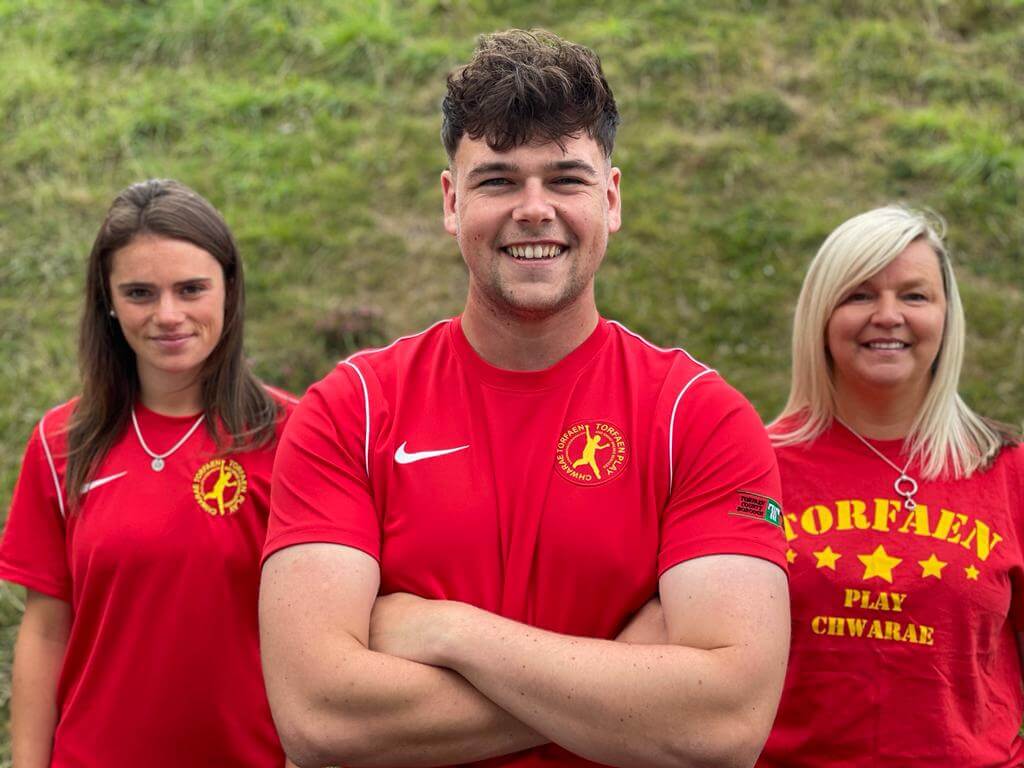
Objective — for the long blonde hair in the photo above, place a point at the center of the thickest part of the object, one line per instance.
(946, 434)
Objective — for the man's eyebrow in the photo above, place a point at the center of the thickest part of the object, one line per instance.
(499, 166)
(574, 165)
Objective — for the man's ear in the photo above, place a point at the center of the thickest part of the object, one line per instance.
(451, 217)
(614, 200)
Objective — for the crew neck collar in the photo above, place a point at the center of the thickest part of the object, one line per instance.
(561, 372)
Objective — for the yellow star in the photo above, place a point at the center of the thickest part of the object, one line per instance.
(827, 558)
(790, 555)
(879, 564)
(972, 572)
(931, 567)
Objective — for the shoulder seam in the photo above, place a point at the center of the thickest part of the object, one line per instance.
(672, 424)
(366, 407)
(375, 350)
(53, 468)
(644, 341)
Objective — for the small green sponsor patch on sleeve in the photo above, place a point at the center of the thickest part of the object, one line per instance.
(759, 507)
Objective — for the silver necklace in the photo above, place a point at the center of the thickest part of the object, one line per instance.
(157, 462)
(904, 485)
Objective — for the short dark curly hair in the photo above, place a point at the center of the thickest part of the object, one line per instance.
(523, 86)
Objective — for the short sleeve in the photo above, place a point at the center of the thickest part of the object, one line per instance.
(33, 551)
(320, 489)
(725, 496)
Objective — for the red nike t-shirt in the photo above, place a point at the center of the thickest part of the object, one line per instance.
(904, 649)
(162, 573)
(555, 498)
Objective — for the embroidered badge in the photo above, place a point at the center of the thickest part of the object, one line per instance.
(219, 487)
(591, 452)
(759, 507)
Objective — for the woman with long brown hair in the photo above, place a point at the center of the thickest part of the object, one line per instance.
(140, 511)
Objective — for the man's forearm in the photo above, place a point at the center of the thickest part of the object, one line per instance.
(610, 702)
(380, 710)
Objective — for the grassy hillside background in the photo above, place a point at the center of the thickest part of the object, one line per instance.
(750, 130)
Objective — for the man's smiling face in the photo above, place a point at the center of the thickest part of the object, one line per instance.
(532, 223)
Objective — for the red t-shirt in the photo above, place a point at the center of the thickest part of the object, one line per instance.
(162, 572)
(555, 498)
(904, 650)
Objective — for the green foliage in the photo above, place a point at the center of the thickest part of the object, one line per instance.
(751, 129)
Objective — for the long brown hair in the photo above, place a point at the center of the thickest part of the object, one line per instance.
(240, 415)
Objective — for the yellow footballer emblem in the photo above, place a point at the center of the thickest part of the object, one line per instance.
(591, 452)
(219, 487)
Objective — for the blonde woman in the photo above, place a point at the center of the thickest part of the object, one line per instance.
(904, 518)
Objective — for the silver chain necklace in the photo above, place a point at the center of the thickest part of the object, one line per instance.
(904, 485)
(157, 462)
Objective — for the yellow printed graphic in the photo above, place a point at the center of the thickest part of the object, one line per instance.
(889, 516)
(931, 567)
(879, 565)
(827, 558)
(219, 487)
(591, 452)
(887, 601)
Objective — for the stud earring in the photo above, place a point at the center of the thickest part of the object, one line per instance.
(113, 314)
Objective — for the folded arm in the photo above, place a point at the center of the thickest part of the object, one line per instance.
(336, 701)
(707, 697)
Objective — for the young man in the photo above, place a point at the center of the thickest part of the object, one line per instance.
(517, 483)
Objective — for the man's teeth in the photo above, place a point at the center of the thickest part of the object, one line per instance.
(887, 345)
(534, 251)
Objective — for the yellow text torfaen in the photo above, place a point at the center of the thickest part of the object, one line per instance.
(888, 516)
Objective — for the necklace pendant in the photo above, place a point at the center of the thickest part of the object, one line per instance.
(909, 503)
(157, 464)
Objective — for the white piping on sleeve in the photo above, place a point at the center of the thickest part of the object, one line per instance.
(641, 339)
(372, 350)
(53, 469)
(672, 425)
(366, 404)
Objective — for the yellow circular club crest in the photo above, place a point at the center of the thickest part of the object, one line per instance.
(219, 487)
(591, 452)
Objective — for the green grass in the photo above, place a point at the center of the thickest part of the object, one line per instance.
(751, 129)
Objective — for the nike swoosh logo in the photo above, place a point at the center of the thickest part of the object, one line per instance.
(408, 457)
(102, 481)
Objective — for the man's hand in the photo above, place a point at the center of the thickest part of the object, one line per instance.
(407, 626)
(647, 627)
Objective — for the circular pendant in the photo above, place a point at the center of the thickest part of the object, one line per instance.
(906, 487)
(157, 464)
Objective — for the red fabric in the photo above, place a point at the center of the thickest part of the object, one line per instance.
(922, 670)
(501, 524)
(162, 665)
